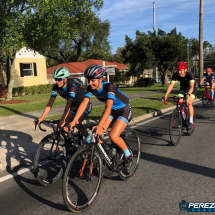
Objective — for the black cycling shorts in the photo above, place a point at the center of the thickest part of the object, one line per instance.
(88, 109)
(124, 113)
(193, 94)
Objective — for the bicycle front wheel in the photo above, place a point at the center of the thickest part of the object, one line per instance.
(133, 143)
(175, 127)
(82, 179)
(49, 161)
(205, 100)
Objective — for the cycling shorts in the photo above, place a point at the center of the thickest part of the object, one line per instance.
(124, 114)
(209, 83)
(88, 109)
(192, 95)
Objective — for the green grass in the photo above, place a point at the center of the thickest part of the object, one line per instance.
(139, 107)
(39, 101)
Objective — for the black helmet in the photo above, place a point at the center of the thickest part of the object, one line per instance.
(94, 71)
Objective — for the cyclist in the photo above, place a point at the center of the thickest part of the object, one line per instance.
(117, 107)
(72, 92)
(187, 85)
(208, 77)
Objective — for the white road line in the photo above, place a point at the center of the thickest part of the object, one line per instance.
(4, 178)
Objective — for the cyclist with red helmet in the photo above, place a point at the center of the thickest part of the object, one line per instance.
(187, 86)
(208, 77)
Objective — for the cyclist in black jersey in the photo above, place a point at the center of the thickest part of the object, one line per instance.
(117, 108)
(187, 85)
(72, 92)
(208, 77)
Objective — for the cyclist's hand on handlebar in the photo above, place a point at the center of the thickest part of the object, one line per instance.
(164, 99)
(38, 121)
(70, 126)
(99, 130)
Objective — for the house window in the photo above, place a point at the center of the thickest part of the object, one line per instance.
(27, 69)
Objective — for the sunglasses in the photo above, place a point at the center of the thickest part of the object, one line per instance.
(58, 79)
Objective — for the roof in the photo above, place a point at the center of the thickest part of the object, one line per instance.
(79, 67)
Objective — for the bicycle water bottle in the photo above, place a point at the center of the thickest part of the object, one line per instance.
(186, 111)
(183, 113)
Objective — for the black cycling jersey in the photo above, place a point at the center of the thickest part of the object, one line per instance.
(71, 90)
(184, 81)
(109, 91)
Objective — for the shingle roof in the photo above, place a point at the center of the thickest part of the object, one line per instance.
(79, 67)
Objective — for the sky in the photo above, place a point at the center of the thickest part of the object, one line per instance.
(127, 16)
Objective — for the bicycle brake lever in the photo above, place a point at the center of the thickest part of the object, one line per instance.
(36, 122)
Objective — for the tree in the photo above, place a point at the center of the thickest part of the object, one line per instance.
(118, 56)
(138, 53)
(39, 25)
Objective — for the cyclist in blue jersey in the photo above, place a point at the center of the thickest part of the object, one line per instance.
(72, 92)
(208, 78)
(117, 107)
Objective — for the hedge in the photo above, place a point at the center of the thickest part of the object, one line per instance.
(34, 89)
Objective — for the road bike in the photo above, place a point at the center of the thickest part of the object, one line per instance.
(84, 172)
(53, 152)
(206, 98)
(180, 120)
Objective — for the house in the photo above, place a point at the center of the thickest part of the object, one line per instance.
(30, 69)
(78, 68)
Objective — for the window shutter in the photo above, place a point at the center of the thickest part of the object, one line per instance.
(21, 70)
(35, 69)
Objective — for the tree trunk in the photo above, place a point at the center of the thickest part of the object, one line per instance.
(164, 78)
(4, 76)
(10, 71)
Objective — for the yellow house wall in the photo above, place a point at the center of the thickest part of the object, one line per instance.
(41, 77)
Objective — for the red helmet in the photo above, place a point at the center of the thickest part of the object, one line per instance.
(181, 65)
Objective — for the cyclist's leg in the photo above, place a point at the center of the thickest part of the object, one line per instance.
(122, 120)
(190, 104)
(212, 91)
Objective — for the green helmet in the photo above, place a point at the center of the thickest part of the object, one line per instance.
(61, 72)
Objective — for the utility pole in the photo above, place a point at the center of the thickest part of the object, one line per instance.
(154, 28)
(201, 66)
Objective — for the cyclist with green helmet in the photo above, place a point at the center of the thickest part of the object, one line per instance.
(73, 93)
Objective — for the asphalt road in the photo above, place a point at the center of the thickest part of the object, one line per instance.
(165, 176)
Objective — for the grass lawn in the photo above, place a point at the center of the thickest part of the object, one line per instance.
(39, 101)
(139, 107)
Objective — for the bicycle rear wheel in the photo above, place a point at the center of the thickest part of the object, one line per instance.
(175, 127)
(80, 190)
(205, 100)
(194, 123)
(48, 162)
(133, 143)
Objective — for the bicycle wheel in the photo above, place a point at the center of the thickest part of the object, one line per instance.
(194, 123)
(80, 190)
(175, 127)
(205, 100)
(49, 161)
(133, 143)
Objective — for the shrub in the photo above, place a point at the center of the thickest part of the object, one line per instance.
(144, 82)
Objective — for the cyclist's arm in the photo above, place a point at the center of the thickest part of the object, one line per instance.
(169, 89)
(48, 107)
(202, 81)
(67, 108)
(192, 83)
(212, 81)
(81, 109)
(107, 112)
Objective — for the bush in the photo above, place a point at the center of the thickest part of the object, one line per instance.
(144, 82)
(34, 89)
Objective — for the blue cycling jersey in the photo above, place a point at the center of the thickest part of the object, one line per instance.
(208, 78)
(109, 91)
(71, 90)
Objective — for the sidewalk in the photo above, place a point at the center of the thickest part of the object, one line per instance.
(18, 139)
